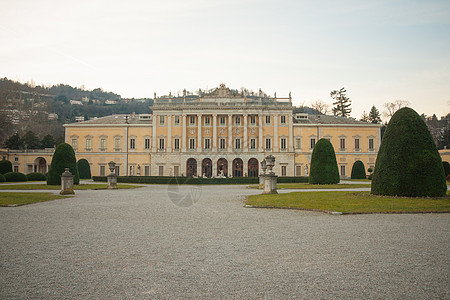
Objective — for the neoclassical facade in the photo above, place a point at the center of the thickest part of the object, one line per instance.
(220, 133)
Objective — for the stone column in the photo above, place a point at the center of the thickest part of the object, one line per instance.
(260, 137)
(169, 133)
(214, 139)
(214, 168)
(245, 167)
(275, 133)
(199, 133)
(230, 132)
(183, 135)
(291, 134)
(245, 133)
(154, 122)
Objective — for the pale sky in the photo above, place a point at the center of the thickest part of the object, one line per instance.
(380, 51)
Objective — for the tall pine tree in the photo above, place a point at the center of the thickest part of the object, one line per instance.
(342, 103)
(374, 116)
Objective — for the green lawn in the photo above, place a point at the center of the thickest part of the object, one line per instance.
(318, 186)
(351, 202)
(14, 198)
(43, 186)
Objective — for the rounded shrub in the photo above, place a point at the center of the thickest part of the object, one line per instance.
(408, 163)
(324, 169)
(5, 166)
(64, 157)
(15, 176)
(84, 169)
(358, 170)
(2, 178)
(36, 177)
(446, 166)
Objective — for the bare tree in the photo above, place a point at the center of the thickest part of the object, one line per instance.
(320, 106)
(392, 107)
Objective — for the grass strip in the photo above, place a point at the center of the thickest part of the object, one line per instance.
(95, 186)
(351, 202)
(317, 186)
(16, 199)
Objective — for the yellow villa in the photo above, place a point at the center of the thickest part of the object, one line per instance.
(222, 132)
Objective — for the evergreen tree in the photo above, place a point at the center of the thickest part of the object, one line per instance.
(14, 142)
(48, 141)
(374, 116)
(342, 103)
(364, 117)
(358, 170)
(84, 169)
(31, 141)
(5, 166)
(64, 157)
(324, 169)
(408, 163)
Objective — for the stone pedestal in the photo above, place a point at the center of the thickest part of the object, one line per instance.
(261, 181)
(270, 183)
(67, 183)
(112, 181)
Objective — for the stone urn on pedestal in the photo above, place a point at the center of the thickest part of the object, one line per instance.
(261, 178)
(112, 177)
(269, 179)
(66, 183)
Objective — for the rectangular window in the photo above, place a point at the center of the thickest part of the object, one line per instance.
(102, 144)
(267, 120)
(268, 144)
(252, 143)
(75, 144)
(283, 143)
(102, 171)
(252, 120)
(207, 144)
(147, 170)
(207, 121)
(237, 120)
(283, 120)
(117, 143)
(176, 120)
(176, 170)
(161, 170)
(312, 143)
(88, 144)
(191, 143)
(161, 120)
(283, 170)
(342, 170)
(237, 143)
(117, 170)
(222, 144)
(192, 120)
(222, 120)
(371, 145)
(161, 144)
(177, 144)
(298, 170)
(342, 144)
(298, 143)
(133, 143)
(16, 169)
(16, 158)
(147, 143)
(357, 145)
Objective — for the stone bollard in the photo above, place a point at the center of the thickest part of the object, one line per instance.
(66, 183)
(112, 177)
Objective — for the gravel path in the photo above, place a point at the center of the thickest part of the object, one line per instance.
(152, 243)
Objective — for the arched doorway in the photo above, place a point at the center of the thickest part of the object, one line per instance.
(253, 167)
(238, 167)
(40, 165)
(206, 167)
(222, 166)
(191, 167)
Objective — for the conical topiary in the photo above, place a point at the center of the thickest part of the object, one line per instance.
(64, 157)
(358, 171)
(5, 166)
(84, 169)
(408, 163)
(324, 169)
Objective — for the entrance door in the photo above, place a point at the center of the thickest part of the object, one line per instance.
(207, 167)
(238, 167)
(191, 167)
(253, 167)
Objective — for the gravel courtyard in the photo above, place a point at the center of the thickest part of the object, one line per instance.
(200, 242)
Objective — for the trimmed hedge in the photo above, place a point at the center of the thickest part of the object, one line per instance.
(5, 166)
(36, 177)
(446, 166)
(408, 163)
(190, 180)
(84, 169)
(324, 168)
(15, 176)
(358, 170)
(64, 157)
(2, 178)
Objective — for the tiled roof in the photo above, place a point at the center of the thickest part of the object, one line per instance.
(115, 119)
(325, 119)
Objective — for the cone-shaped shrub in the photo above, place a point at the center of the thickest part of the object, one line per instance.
(5, 166)
(358, 170)
(64, 157)
(446, 167)
(324, 169)
(408, 163)
(84, 169)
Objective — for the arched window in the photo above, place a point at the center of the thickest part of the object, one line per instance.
(191, 167)
(207, 167)
(222, 166)
(253, 167)
(238, 167)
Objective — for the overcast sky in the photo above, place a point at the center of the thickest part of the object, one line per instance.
(380, 51)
